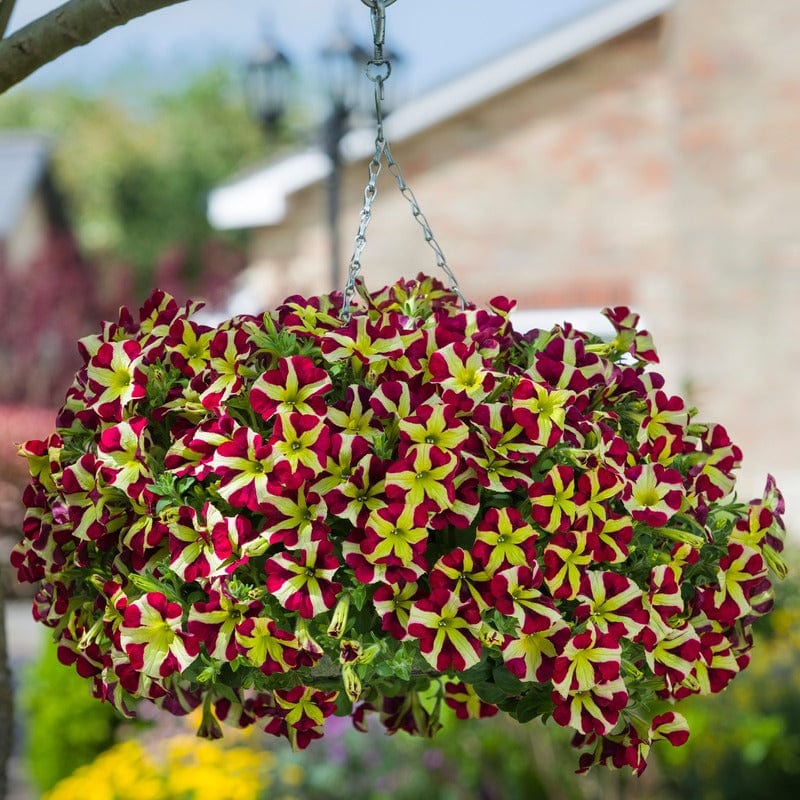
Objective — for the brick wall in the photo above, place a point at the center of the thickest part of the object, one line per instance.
(529, 194)
(660, 170)
(734, 72)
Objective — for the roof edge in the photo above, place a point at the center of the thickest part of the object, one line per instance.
(260, 198)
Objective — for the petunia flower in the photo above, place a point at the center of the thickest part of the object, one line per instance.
(423, 479)
(297, 385)
(393, 603)
(531, 653)
(461, 374)
(266, 646)
(541, 411)
(461, 697)
(152, 636)
(553, 499)
(653, 493)
(115, 379)
(303, 581)
(447, 630)
(611, 603)
(503, 538)
(121, 455)
(594, 710)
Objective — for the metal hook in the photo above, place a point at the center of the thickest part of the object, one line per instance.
(373, 4)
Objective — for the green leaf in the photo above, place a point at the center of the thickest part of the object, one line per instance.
(534, 704)
(490, 692)
(509, 683)
(358, 596)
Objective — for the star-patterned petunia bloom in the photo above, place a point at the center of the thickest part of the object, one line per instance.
(741, 572)
(461, 697)
(589, 658)
(424, 479)
(594, 710)
(503, 538)
(458, 573)
(531, 653)
(303, 580)
(515, 593)
(152, 636)
(596, 489)
(611, 603)
(90, 505)
(189, 346)
(396, 534)
(566, 558)
(195, 549)
(267, 646)
(121, 454)
(297, 385)
(432, 425)
(393, 603)
(713, 670)
(495, 426)
(361, 493)
(363, 341)
(293, 518)
(115, 379)
(653, 493)
(461, 374)
(300, 444)
(244, 465)
(304, 707)
(222, 377)
(553, 499)
(447, 630)
(541, 411)
(213, 623)
(673, 654)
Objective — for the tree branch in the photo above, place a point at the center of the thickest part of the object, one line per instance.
(6, 7)
(71, 25)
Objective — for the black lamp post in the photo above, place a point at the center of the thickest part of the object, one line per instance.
(344, 63)
(348, 92)
(268, 85)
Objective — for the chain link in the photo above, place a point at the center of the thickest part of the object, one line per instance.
(378, 70)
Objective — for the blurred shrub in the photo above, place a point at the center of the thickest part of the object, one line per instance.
(136, 169)
(64, 725)
(745, 742)
(490, 759)
(185, 768)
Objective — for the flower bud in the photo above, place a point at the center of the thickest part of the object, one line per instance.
(306, 641)
(490, 637)
(339, 618)
(352, 683)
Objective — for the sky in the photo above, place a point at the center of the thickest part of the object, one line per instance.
(438, 39)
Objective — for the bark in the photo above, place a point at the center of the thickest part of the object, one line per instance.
(6, 7)
(71, 25)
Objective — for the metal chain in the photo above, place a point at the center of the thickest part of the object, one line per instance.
(378, 70)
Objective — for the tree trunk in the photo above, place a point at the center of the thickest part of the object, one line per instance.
(6, 699)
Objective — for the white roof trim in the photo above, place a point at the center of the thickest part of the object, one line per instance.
(261, 197)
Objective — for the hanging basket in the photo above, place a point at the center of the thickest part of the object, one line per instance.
(288, 517)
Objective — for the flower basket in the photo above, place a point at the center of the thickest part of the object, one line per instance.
(287, 517)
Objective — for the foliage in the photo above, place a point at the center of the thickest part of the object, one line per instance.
(65, 726)
(392, 509)
(746, 743)
(137, 174)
